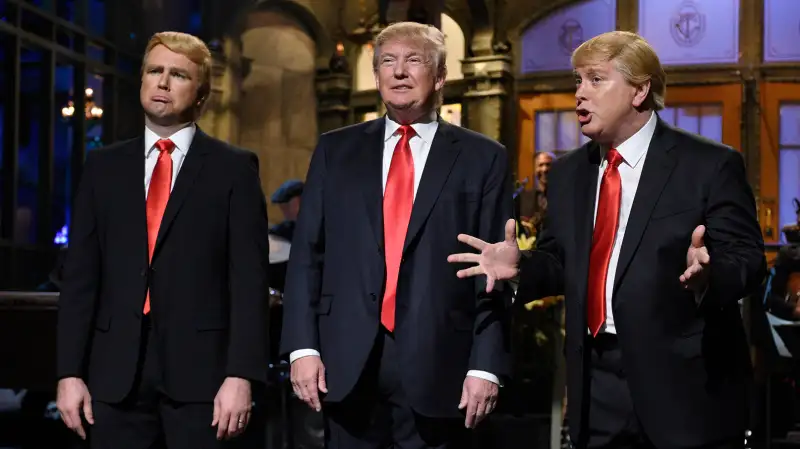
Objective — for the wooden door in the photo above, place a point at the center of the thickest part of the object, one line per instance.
(780, 158)
(548, 121)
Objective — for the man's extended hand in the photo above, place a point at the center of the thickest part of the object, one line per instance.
(697, 259)
(72, 396)
(498, 261)
(308, 379)
(232, 407)
(479, 397)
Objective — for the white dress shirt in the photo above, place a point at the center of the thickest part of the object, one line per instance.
(420, 145)
(633, 152)
(182, 140)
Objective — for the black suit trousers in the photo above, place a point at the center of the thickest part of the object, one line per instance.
(147, 418)
(377, 414)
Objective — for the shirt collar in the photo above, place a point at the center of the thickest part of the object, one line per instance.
(425, 131)
(632, 149)
(182, 139)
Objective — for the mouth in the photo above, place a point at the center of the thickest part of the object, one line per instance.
(160, 99)
(401, 88)
(584, 116)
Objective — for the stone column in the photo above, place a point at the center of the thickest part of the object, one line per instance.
(487, 102)
(333, 87)
(220, 118)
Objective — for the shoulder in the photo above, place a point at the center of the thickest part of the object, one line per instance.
(351, 131)
(700, 150)
(474, 138)
(111, 151)
(226, 152)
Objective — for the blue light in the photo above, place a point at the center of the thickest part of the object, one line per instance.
(62, 236)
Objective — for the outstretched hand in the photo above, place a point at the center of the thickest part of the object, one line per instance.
(697, 259)
(498, 261)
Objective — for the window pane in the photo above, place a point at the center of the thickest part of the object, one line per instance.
(789, 185)
(94, 111)
(668, 115)
(790, 124)
(687, 118)
(6, 116)
(545, 131)
(567, 130)
(97, 17)
(62, 148)
(67, 9)
(711, 122)
(31, 143)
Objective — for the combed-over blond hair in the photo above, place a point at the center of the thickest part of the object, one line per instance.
(193, 48)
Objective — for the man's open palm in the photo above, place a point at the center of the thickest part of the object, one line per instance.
(498, 261)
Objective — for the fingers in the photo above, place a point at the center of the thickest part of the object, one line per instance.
(469, 272)
(472, 241)
(215, 417)
(472, 411)
(489, 284)
(464, 395)
(224, 422)
(511, 231)
(464, 258)
(697, 236)
(87, 409)
(321, 384)
(233, 424)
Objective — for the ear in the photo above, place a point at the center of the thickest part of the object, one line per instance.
(641, 94)
(441, 77)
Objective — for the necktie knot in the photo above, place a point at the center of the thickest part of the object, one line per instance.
(165, 145)
(614, 158)
(406, 131)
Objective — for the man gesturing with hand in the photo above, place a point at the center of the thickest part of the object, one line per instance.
(651, 234)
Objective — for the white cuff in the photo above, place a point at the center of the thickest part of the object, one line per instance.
(300, 353)
(484, 375)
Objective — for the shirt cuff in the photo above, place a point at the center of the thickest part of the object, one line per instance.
(484, 375)
(300, 353)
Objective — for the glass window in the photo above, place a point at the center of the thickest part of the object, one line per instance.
(691, 32)
(94, 111)
(62, 148)
(6, 123)
(97, 17)
(67, 9)
(789, 163)
(548, 44)
(702, 119)
(781, 18)
(558, 131)
(33, 97)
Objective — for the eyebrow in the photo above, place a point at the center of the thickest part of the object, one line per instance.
(178, 70)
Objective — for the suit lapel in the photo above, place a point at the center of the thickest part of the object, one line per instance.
(371, 176)
(191, 166)
(132, 174)
(441, 157)
(658, 166)
(585, 194)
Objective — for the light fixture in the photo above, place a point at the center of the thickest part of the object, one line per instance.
(92, 111)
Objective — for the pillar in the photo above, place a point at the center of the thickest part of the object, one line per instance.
(333, 87)
(220, 117)
(488, 99)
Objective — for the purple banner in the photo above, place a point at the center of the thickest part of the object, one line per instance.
(548, 44)
(691, 32)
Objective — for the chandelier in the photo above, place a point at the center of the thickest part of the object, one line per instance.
(92, 111)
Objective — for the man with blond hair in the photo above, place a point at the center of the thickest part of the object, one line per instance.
(162, 314)
(382, 337)
(651, 234)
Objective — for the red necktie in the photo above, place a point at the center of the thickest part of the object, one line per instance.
(605, 229)
(157, 197)
(397, 202)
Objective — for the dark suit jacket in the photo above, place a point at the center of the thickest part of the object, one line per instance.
(687, 366)
(445, 326)
(208, 277)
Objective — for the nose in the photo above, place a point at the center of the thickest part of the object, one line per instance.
(400, 68)
(579, 93)
(163, 81)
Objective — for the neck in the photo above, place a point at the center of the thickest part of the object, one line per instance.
(632, 124)
(164, 131)
(407, 117)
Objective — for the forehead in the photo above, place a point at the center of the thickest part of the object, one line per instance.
(594, 67)
(402, 46)
(163, 56)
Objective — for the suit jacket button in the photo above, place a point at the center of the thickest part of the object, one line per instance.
(374, 296)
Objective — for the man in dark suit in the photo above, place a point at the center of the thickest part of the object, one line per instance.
(369, 293)
(651, 233)
(163, 305)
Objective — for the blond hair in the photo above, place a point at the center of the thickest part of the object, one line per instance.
(430, 38)
(632, 56)
(194, 49)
